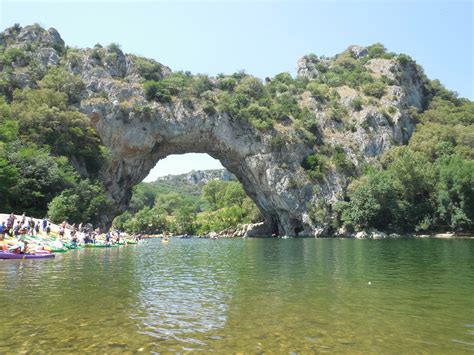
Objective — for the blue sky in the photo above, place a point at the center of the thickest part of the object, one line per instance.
(262, 37)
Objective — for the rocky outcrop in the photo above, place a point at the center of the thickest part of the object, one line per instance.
(138, 133)
(198, 177)
(242, 231)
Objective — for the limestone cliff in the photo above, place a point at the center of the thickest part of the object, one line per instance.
(197, 177)
(138, 132)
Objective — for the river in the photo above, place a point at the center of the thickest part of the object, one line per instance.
(244, 295)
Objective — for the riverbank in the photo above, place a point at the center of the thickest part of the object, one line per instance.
(251, 230)
(248, 230)
(376, 235)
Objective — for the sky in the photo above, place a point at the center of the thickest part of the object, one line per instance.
(263, 38)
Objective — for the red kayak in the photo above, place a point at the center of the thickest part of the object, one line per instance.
(10, 255)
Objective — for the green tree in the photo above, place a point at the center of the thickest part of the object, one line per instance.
(60, 80)
(184, 221)
(42, 177)
(44, 118)
(9, 178)
(373, 203)
(213, 192)
(83, 202)
(169, 202)
(455, 193)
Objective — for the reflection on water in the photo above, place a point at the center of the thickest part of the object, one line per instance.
(296, 295)
(186, 292)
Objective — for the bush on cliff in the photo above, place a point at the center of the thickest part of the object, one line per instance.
(430, 180)
(62, 81)
(41, 135)
(157, 91)
(149, 69)
(375, 89)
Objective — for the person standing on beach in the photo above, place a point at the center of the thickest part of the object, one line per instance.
(3, 230)
(16, 228)
(31, 225)
(45, 223)
(11, 221)
(25, 224)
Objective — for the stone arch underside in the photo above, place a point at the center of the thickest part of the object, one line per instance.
(271, 177)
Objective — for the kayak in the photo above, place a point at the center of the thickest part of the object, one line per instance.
(59, 250)
(9, 255)
(100, 245)
(71, 246)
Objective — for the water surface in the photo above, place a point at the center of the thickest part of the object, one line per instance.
(251, 295)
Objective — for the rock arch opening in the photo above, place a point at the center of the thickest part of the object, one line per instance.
(178, 164)
(190, 193)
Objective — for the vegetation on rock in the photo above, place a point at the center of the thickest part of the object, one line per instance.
(426, 185)
(44, 139)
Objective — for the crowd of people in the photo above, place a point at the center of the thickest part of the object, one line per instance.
(19, 227)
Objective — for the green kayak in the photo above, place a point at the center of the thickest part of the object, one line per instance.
(71, 245)
(59, 250)
(100, 246)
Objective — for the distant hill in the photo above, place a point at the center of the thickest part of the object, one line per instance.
(190, 183)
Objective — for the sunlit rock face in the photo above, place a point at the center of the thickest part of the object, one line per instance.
(138, 133)
(138, 143)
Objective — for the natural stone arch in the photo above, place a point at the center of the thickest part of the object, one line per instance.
(273, 178)
(138, 133)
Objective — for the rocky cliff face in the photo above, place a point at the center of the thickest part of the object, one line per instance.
(198, 177)
(138, 133)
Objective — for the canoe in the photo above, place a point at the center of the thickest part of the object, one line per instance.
(100, 245)
(8, 255)
(71, 246)
(42, 252)
(58, 250)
